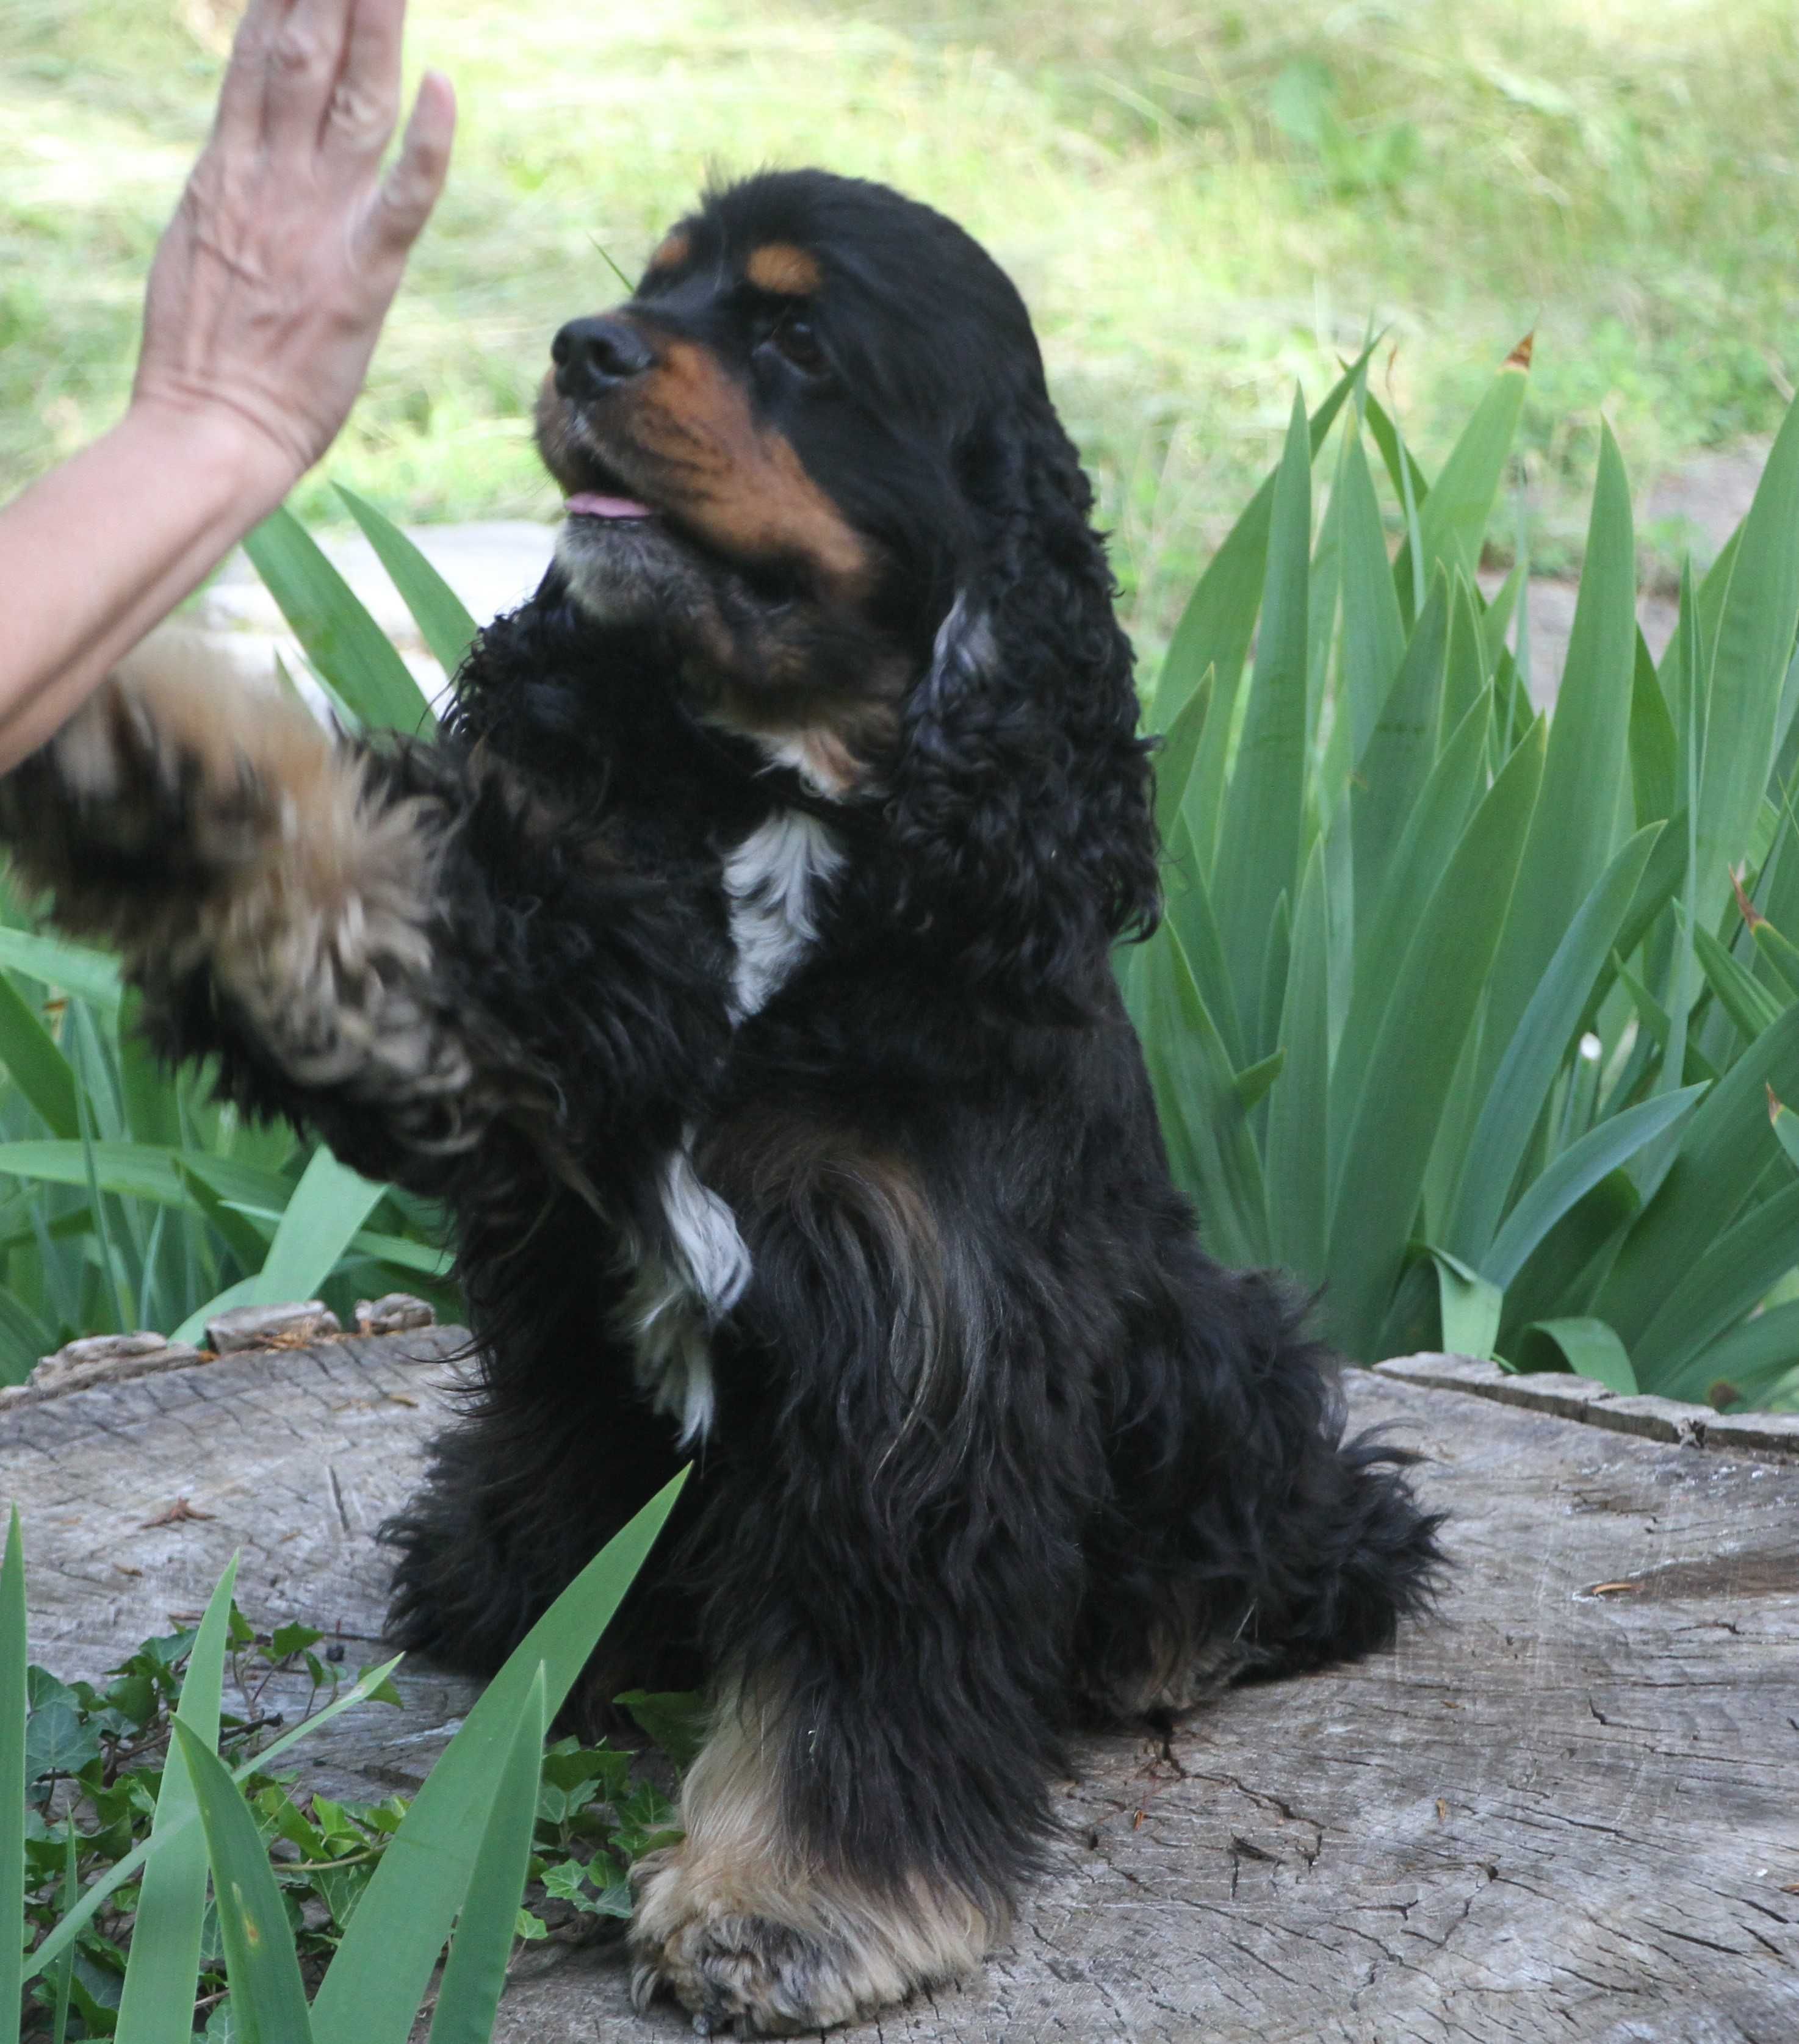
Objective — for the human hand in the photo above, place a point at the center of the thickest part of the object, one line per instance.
(271, 283)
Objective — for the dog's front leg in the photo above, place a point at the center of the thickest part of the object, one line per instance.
(892, 1550)
(403, 946)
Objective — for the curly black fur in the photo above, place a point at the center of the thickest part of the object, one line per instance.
(994, 1448)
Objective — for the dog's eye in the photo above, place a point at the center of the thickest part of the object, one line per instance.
(797, 339)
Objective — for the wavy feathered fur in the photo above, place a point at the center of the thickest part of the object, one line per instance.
(987, 1446)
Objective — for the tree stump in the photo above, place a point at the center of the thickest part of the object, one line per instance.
(1567, 1807)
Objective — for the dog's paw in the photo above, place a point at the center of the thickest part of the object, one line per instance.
(171, 774)
(740, 1949)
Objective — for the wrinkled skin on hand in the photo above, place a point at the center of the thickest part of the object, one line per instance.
(270, 283)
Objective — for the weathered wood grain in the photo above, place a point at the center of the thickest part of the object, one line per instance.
(1565, 1810)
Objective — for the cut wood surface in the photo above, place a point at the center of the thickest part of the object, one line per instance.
(1567, 1808)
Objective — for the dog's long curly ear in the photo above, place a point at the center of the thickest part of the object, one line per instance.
(1022, 799)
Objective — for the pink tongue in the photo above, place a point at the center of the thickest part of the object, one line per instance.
(586, 504)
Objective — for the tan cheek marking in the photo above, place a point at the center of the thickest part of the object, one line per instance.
(780, 267)
(673, 252)
(744, 488)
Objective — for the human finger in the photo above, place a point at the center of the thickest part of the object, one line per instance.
(239, 116)
(305, 56)
(411, 187)
(359, 117)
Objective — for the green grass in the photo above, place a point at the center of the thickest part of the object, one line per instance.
(1200, 203)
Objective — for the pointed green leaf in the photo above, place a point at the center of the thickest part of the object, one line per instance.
(343, 641)
(474, 1974)
(1584, 772)
(91, 975)
(1726, 1147)
(267, 1997)
(1468, 1305)
(1386, 924)
(12, 1777)
(1743, 998)
(1452, 520)
(1734, 1275)
(1189, 916)
(1465, 673)
(1258, 843)
(1653, 751)
(1175, 762)
(1527, 1071)
(1750, 1358)
(1756, 625)
(33, 1062)
(1397, 761)
(442, 617)
(1588, 1347)
(157, 2004)
(1581, 1167)
(1435, 998)
(374, 1986)
(1373, 638)
(1299, 1164)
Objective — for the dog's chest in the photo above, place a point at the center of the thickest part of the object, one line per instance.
(683, 1284)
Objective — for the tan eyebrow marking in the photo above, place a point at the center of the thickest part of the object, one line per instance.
(780, 267)
(674, 251)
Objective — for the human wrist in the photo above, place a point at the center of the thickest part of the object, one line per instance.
(233, 474)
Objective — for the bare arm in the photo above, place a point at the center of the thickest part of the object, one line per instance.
(267, 292)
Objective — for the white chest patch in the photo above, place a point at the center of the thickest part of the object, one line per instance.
(677, 1298)
(770, 880)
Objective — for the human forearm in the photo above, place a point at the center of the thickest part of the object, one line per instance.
(108, 543)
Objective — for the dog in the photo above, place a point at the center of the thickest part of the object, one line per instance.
(737, 967)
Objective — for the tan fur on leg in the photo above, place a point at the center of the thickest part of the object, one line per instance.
(739, 1924)
(307, 894)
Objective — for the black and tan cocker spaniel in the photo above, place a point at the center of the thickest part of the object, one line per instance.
(736, 965)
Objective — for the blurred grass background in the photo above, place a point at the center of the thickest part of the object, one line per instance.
(1200, 203)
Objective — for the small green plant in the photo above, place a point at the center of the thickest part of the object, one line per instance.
(1480, 1019)
(114, 1804)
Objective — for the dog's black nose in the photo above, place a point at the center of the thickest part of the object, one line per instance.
(592, 355)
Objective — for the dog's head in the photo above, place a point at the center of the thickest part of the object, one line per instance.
(815, 453)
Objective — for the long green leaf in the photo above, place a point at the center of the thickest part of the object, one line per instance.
(1452, 520)
(341, 640)
(1374, 637)
(1574, 1174)
(329, 1204)
(475, 1974)
(92, 975)
(267, 1997)
(1743, 998)
(1260, 844)
(441, 616)
(12, 1779)
(1759, 616)
(1396, 761)
(1749, 1358)
(1386, 922)
(1215, 632)
(1528, 1069)
(157, 2004)
(1733, 1276)
(141, 1170)
(1726, 1147)
(1584, 770)
(1434, 1001)
(1587, 1346)
(1468, 1306)
(373, 1988)
(1298, 1162)
(1175, 762)
(1202, 1115)
(33, 1062)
